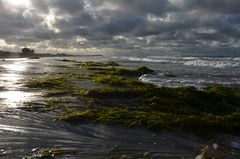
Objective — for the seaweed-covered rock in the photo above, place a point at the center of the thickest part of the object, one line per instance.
(145, 70)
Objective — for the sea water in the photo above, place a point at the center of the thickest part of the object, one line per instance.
(178, 71)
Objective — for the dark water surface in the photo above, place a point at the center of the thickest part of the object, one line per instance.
(25, 133)
(175, 71)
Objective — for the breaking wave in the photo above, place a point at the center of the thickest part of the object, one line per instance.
(215, 62)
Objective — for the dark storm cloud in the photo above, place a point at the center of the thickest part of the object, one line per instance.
(119, 26)
(142, 6)
(11, 23)
(158, 25)
(221, 6)
(70, 7)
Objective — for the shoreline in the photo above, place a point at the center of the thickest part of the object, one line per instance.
(109, 94)
(118, 92)
(4, 55)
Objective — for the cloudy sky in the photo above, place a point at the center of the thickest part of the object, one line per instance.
(209, 27)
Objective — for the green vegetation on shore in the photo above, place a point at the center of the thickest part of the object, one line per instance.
(123, 99)
(50, 154)
(155, 120)
(48, 83)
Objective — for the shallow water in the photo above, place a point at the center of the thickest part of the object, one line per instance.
(25, 133)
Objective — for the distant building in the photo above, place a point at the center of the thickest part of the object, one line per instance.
(27, 51)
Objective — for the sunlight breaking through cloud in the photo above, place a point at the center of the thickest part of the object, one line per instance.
(194, 26)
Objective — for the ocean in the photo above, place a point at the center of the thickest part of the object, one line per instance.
(171, 71)
(178, 71)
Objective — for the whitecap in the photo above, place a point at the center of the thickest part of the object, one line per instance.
(216, 64)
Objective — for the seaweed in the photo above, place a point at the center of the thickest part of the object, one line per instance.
(48, 83)
(124, 99)
(99, 64)
(155, 120)
(123, 71)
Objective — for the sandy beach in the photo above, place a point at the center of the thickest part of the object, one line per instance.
(58, 106)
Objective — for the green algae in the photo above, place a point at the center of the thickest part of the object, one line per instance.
(41, 155)
(183, 108)
(155, 120)
(115, 80)
(126, 100)
(122, 71)
(56, 93)
(48, 83)
(51, 153)
(97, 64)
(226, 91)
(44, 106)
(175, 100)
(190, 100)
(102, 64)
(109, 76)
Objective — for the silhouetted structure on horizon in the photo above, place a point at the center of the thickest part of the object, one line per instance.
(27, 51)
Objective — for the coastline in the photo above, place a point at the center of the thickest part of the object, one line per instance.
(4, 55)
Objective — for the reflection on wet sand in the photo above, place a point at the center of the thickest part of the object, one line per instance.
(10, 81)
(11, 128)
(12, 72)
(14, 99)
(15, 67)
